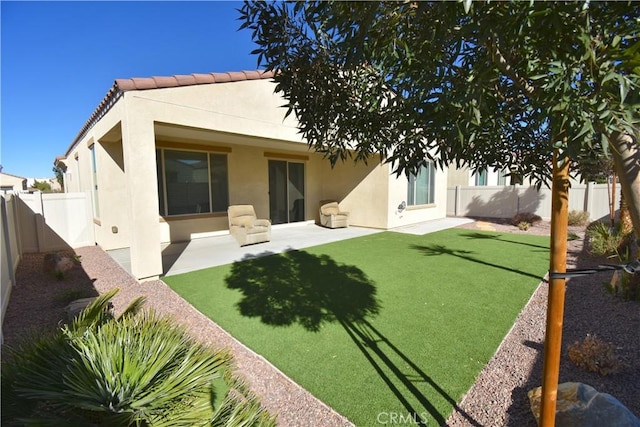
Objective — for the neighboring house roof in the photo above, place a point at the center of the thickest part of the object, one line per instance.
(11, 175)
(159, 82)
(8, 180)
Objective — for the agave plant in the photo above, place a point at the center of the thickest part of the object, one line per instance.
(135, 370)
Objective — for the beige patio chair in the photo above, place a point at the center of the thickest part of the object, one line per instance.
(331, 216)
(245, 227)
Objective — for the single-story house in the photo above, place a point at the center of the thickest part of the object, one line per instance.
(13, 183)
(163, 158)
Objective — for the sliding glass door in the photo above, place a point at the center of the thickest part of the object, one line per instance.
(286, 191)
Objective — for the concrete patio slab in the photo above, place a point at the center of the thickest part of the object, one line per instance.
(208, 252)
(432, 226)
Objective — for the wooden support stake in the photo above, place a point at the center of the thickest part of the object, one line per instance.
(555, 304)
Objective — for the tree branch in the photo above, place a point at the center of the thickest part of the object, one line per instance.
(503, 65)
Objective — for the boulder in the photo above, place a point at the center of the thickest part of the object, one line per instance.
(75, 307)
(580, 405)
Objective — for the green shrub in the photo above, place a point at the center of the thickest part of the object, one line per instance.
(604, 240)
(578, 218)
(138, 369)
(43, 186)
(572, 236)
(611, 242)
(524, 225)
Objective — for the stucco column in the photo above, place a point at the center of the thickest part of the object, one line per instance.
(138, 145)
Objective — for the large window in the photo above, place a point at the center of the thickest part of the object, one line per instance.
(421, 186)
(192, 182)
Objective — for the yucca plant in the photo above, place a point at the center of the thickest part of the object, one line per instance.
(240, 408)
(136, 370)
(604, 240)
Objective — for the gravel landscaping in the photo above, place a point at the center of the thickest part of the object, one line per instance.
(498, 398)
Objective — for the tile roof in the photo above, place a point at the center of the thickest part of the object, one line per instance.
(189, 80)
(159, 82)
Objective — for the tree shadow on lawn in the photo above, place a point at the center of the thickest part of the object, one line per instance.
(500, 237)
(435, 250)
(298, 287)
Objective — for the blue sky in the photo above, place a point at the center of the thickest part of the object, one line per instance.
(59, 59)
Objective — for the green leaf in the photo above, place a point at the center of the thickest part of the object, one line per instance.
(608, 77)
(624, 87)
(616, 41)
(476, 115)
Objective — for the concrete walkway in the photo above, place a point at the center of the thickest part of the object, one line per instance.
(208, 252)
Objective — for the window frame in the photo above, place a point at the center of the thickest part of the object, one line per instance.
(164, 196)
(412, 186)
(94, 181)
(482, 178)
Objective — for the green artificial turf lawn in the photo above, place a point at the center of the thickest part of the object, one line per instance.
(383, 327)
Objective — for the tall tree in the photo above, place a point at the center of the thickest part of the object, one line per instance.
(485, 84)
(59, 168)
(496, 84)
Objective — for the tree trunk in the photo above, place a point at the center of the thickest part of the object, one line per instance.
(626, 159)
(626, 223)
(555, 301)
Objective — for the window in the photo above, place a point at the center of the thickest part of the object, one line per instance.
(94, 182)
(481, 177)
(191, 182)
(421, 186)
(502, 178)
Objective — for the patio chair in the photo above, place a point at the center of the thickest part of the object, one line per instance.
(331, 216)
(245, 227)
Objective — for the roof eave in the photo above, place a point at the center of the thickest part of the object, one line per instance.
(145, 83)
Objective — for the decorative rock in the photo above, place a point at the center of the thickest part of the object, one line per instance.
(75, 307)
(580, 405)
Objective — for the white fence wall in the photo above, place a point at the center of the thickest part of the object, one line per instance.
(55, 221)
(39, 223)
(507, 201)
(9, 251)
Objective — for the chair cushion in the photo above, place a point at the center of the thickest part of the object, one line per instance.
(330, 209)
(244, 221)
(241, 210)
(257, 229)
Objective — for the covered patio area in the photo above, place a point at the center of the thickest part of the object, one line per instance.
(197, 254)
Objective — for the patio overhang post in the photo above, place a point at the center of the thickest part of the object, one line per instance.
(555, 304)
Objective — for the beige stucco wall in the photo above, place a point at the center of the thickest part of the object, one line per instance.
(371, 194)
(15, 182)
(114, 228)
(360, 190)
(247, 108)
(398, 187)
